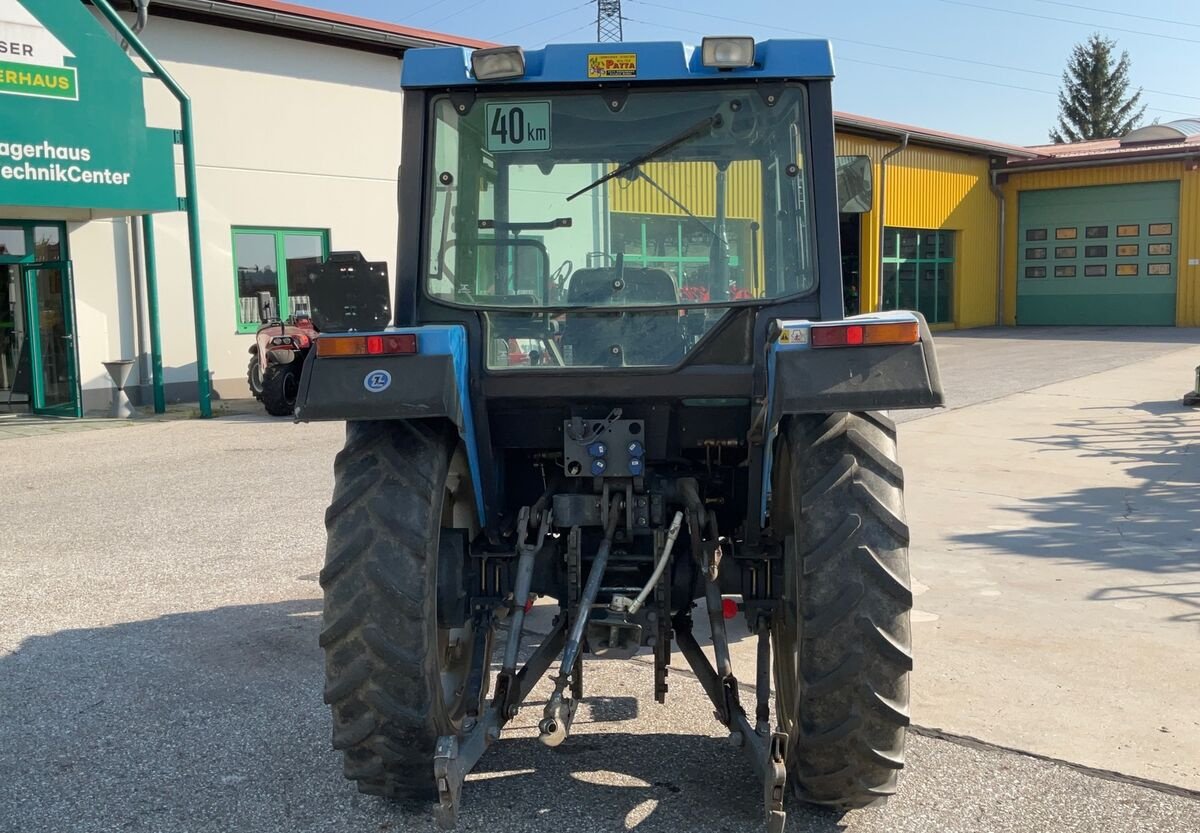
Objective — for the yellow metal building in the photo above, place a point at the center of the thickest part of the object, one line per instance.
(971, 233)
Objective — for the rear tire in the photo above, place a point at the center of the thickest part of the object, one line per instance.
(392, 680)
(842, 645)
(281, 383)
(254, 377)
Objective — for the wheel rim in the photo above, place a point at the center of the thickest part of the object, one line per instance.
(291, 386)
(785, 638)
(456, 650)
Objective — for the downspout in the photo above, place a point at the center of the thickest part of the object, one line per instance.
(192, 200)
(160, 396)
(1003, 244)
(144, 358)
(883, 211)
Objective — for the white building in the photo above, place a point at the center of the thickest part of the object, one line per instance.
(297, 135)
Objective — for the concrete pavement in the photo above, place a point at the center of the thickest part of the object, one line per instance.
(159, 613)
(1056, 557)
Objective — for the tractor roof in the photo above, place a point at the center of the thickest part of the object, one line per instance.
(584, 63)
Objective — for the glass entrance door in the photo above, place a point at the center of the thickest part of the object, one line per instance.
(50, 324)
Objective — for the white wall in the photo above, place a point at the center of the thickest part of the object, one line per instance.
(288, 134)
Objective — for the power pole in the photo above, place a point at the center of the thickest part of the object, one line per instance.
(608, 21)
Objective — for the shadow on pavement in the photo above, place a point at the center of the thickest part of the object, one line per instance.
(1152, 525)
(213, 720)
(619, 780)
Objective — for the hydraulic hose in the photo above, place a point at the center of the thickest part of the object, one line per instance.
(672, 533)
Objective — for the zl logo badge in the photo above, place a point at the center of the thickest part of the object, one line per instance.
(377, 381)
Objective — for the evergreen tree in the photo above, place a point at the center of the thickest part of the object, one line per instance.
(1094, 102)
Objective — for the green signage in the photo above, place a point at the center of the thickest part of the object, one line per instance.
(49, 82)
(73, 131)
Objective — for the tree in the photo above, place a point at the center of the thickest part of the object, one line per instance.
(1094, 102)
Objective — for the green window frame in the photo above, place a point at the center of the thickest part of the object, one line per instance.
(918, 271)
(247, 283)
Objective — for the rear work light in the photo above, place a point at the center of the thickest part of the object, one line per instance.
(727, 52)
(378, 345)
(858, 335)
(498, 63)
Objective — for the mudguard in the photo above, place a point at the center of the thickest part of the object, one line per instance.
(806, 380)
(433, 382)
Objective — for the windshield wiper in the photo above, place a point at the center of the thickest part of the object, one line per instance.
(692, 132)
(650, 181)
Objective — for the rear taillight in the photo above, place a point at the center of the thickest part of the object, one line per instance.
(377, 345)
(858, 335)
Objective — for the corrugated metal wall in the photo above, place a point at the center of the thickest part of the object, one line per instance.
(695, 185)
(930, 188)
(1188, 299)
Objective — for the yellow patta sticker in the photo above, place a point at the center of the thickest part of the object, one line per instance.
(621, 65)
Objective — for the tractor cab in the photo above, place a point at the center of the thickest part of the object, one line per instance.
(612, 212)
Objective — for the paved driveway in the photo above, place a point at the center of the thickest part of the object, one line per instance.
(159, 669)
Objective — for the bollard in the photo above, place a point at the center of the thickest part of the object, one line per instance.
(118, 371)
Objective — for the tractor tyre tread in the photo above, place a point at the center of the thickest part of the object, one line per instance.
(253, 372)
(275, 389)
(380, 643)
(854, 598)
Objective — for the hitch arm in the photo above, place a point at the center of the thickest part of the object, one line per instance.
(768, 753)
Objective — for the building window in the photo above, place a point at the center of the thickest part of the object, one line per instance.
(1064, 271)
(1065, 251)
(1065, 233)
(275, 261)
(918, 272)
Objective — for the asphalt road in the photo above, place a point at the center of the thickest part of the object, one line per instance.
(993, 362)
(159, 672)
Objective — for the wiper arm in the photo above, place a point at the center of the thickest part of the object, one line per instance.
(650, 181)
(692, 132)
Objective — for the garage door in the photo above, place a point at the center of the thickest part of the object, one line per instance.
(1099, 255)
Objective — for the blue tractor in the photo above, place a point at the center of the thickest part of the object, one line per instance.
(619, 378)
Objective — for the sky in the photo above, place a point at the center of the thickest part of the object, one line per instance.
(984, 68)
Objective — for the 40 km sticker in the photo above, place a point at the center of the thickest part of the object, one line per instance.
(377, 381)
(518, 125)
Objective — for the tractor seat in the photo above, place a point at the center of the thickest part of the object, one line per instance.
(645, 338)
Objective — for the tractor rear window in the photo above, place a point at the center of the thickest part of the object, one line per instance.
(639, 199)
